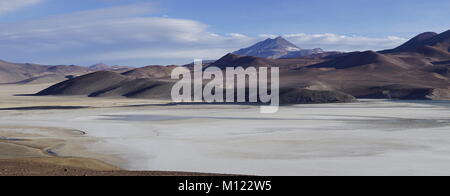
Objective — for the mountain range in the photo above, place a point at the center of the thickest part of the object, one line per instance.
(34, 73)
(27, 73)
(418, 69)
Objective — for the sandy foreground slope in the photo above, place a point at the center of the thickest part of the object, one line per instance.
(30, 150)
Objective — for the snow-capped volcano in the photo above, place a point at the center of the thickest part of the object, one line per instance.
(276, 48)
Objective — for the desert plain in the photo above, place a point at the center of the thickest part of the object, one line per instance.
(75, 135)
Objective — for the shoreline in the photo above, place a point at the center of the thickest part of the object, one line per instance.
(24, 150)
(71, 167)
(22, 157)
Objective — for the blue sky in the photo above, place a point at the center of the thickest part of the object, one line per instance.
(146, 32)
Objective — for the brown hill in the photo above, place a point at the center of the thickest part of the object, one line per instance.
(373, 61)
(440, 41)
(138, 88)
(10, 72)
(233, 60)
(428, 44)
(110, 84)
(50, 78)
(85, 85)
(20, 73)
(374, 75)
(206, 63)
(153, 71)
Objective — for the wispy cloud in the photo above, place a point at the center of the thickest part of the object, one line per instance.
(128, 35)
(86, 36)
(13, 5)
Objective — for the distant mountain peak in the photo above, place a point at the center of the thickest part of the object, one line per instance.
(99, 66)
(275, 48)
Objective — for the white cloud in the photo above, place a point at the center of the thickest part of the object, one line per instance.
(127, 35)
(108, 34)
(13, 5)
(331, 41)
(238, 35)
(210, 53)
